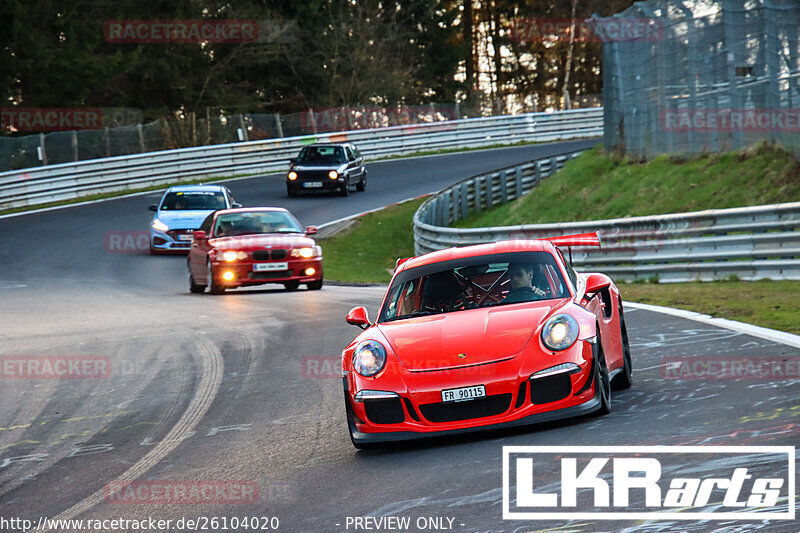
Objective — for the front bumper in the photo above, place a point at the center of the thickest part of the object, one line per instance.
(512, 398)
(324, 185)
(243, 273)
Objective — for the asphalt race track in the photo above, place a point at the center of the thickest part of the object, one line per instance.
(244, 387)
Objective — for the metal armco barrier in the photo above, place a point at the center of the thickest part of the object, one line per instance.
(68, 181)
(749, 242)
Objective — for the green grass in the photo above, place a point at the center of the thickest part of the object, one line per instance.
(596, 186)
(367, 252)
(771, 304)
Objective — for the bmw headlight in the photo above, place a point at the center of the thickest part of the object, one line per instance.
(292, 175)
(232, 255)
(560, 332)
(333, 174)
(369, 358)
(305, 253)
(158, 225)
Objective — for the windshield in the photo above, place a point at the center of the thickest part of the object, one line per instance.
(322, 155)
(193, 200)
(473, 283)
(254, 222)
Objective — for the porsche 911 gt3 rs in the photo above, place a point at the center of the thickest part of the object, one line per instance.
(482, 337)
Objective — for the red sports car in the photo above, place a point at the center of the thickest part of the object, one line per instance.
(253, 246)
(485, 336)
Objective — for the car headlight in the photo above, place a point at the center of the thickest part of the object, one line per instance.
(369, 358)
(158, 225)
(231, 255)
(305, 253)
(333, 174)
(292, 175)
(560, 332)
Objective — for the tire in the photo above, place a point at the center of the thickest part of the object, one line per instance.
(314, 285)
(194, 288)
(290, 193)
(291, 285)
(624, 379)
(345, 190)
(213, 286)
(362, 185)
(601, 380)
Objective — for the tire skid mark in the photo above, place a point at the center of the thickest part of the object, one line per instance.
(212, 365)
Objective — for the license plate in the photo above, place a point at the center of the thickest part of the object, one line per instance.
(312, 184)
(268, 267)
(185, 237)
(464, 393)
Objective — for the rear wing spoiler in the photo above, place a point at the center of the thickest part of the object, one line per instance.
(583, 239)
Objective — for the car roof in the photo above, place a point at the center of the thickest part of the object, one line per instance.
(187, 188)
(329, 144)
(251, 209)
(478, 250)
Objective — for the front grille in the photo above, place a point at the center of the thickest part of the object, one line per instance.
(455, 411)
(550, 389)
(270, 255)
(313, 174)
(385, 411)
(175, 232)
(276, 274)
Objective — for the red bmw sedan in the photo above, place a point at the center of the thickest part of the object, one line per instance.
(253, 246)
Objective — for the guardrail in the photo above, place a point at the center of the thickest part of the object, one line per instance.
(749, 242)
(74, 180)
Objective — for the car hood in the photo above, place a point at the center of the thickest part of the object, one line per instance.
(480, 335)
(183, 219)
(322, 166)
(262, 241)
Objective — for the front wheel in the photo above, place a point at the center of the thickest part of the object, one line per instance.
(314, 285)
(291, 285)
(345, 190)
(214, 287)
(362, 185)
(601, 380)
(194, 288)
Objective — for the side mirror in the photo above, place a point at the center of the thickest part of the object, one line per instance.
(293, 161)
(236, 205)
(358, 317)
(199, 235)
(153, 207)
(597, 282)
(311, 230)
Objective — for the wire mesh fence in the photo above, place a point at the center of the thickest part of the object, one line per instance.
(704, 76)
(26, 151)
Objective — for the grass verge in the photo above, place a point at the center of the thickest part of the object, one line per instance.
(602, 186)
(771, 304)
(367, 252)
